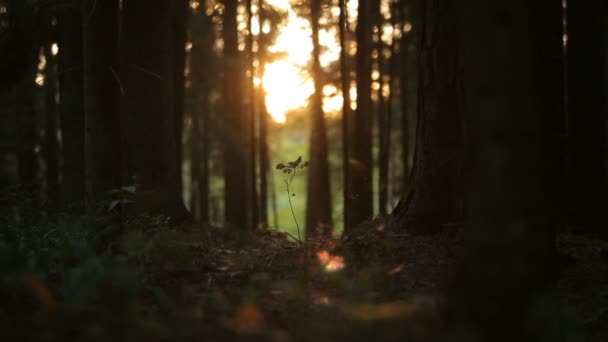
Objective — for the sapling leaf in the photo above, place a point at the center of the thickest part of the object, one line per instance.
(295, 163)
(280, 166)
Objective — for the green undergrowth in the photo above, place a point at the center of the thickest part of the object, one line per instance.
(95, 278)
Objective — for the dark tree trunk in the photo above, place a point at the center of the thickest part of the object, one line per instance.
(362, 164)
(148, 74)
(408, 77)
(587, 113)
(512, 63)
(434, 193)
(384, 130)
(29, 137)
(180, 18)
(51, 144)
(101, 98)
(71, 107)
(263, 119)
(345, 85)
(236, 210)
(200, 59)
(318, 207)
(264, 159)
(250, 115)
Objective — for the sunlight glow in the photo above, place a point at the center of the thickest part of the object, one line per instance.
(331, 263)
(286, 89)
(287, 81)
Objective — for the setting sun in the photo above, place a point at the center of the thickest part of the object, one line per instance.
(286, 81)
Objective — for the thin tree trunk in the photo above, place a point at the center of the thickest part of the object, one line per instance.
(264, 160)
(345, 78)
(200, 61)
(51, 150)
(587, 113)
(318, 207)
(148, 67)
(101, 97)
(236, 210)
(250, 114)
(361, 168)
(180, 19)
(384, 131)
(29, 139)
(71, 107)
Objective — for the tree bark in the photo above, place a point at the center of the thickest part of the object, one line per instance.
(51, 144)
(71, 107)
(148, 74)
(179, 28)
(101, 98)
(345, 85)
(434, 192)
(200, 62)
(318, 207)
(587, 114)
(236, 210)
(362, 164)
(510, 58)
(250, 114)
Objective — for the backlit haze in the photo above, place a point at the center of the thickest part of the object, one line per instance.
(287, 81)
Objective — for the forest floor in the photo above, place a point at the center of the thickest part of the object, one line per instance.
(381, 285)
(155, 282)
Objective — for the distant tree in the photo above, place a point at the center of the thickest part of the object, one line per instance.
(250, 117)
(361, 164)
(150, 59)
(434, 190)
(179, 27)
(236, 210)
(101, 97)
(384, 119)
(71, 107)
(28, 126)
(345, 125)
(318, 207)
(511, 57)
(587, 113)
(200, 70)
(51, 152)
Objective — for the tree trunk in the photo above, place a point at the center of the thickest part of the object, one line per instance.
(587, 114)
(148, 73)
(200, 59)
(71, 107)
(250, 114)
(345, 85)
(101, 97)
(511, 59)
(362, 164)
(51, 145)
(318, 208)
(384, 130)
(236, 210)
(179, 28)
(29, 138)
(434, 192)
